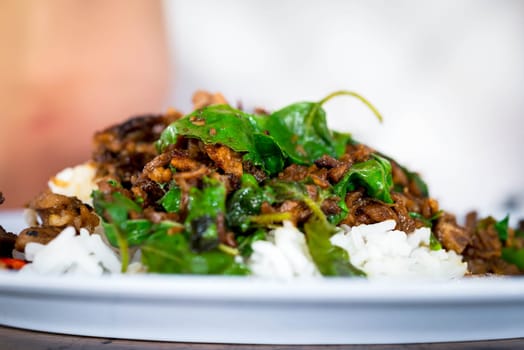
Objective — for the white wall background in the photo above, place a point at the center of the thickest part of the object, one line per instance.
(448, 77)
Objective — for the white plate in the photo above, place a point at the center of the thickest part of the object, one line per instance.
(247, 310)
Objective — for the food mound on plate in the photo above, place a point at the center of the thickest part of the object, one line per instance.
(271, 194)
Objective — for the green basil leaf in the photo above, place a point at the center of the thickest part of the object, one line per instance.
(340, 141)
(171, 200)
(245, 242)
(203, 209)
(329, 259)
(222, 124)
(502, 227)
(300, 130)
(374, 175)
(434, 244)
(163, 253)
(514, 256)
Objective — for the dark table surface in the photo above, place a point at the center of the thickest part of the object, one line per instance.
(13, 338)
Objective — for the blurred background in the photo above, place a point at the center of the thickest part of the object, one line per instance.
(447, 76)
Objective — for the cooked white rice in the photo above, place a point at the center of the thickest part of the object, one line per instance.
(378, 250)
(285, 255)
(76, 181)
(69, 253)
(381, 251)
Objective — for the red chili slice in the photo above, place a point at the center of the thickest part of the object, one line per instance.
(12, 264)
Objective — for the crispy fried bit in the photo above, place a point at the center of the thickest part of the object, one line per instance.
(160, 175)
(203, 99)
(182, 162)
(226, 159)
(61, 211)
(37, 234)
(122, 150)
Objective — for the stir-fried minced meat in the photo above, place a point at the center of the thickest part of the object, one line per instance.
(62, 211)
(122, 150)
(36, 234)
(126, 154)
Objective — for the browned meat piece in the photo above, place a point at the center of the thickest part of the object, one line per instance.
(203, 99)
(370, 212)
(225, 237)
(327, 162)
(226, 159)
(231, 182)
(61, 211)
(298, 210)
(365, 210)
(337, 173)
(402, 206)
(471, 221)
(258, 173)
(150, 191)
(357, 153)
(451, 235)
(7, 242)
(319, 177)
(406, 204)
(330, 206)
(312, 191)
(122, 150)
(260, 111)
(182, 162)
(428, 207)
(491, 266)
(335, 168)
(158, 216)
(188, 172)
(7, 239)
(294, 172)
(485, 243)
(37, 234)
(484, 252)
